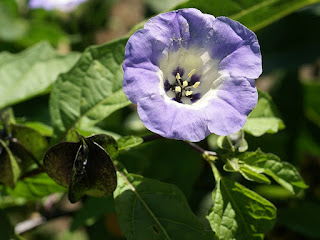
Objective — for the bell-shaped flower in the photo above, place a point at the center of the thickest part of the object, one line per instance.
(62, 5)
(192, 74)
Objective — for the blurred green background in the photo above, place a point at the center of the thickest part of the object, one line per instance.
(291, 74)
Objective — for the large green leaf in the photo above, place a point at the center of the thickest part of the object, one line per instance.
(31, 72)
(282, 172)
(36, 187)
(149, 209)
(90, 91)
(264, 117)
(239, 213)
(255, 14)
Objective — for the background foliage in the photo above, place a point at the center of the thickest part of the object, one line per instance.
(61, 72)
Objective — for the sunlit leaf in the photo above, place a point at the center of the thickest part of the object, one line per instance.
(90, 91)
(282, 172)
(239, 213)
(31, 72)
(40, 127)
(129, 142)
(264, 118)
(35, 187)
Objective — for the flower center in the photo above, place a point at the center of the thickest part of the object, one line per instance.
(182, 90)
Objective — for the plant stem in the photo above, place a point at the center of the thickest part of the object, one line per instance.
(201, 150)
(215, 171)
(150, 138)
(33, 172)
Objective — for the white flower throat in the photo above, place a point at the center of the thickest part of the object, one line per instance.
(188, 76)
(183, 87)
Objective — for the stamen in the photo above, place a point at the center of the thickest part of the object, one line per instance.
(196, 85)
(185, 83)
(191, 73)
(177, 89)
(188, 93)
(178, 76)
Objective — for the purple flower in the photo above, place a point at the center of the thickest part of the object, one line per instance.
(62, 5)
(192, 74)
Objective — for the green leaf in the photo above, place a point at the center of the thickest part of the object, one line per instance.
(35, 187)
(275, 192)
(239, 213)
(10, 170)
(235, 141)
(264, 118)
(255, 14)
(40, 127)
(252, 174)
(11, 26)
(90, 91)
(31, 72)
(88, 131)
(129, 142)
(282, 172)
(149, 209)
(248, 172)
(31, 139)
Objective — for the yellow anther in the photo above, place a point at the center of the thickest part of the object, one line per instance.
(177, 89)
(196, 85)
(178, 76)
(185, 83)
(191, 73)
(188, 93)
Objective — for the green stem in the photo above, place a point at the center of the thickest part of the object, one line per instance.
(215, 171)
(231, 145)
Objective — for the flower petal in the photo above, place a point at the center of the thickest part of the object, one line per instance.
(170, 28)
(237, 49)
(227, 113)
(140, 83)
(64, 5)
(222, 53)
(171, 120)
